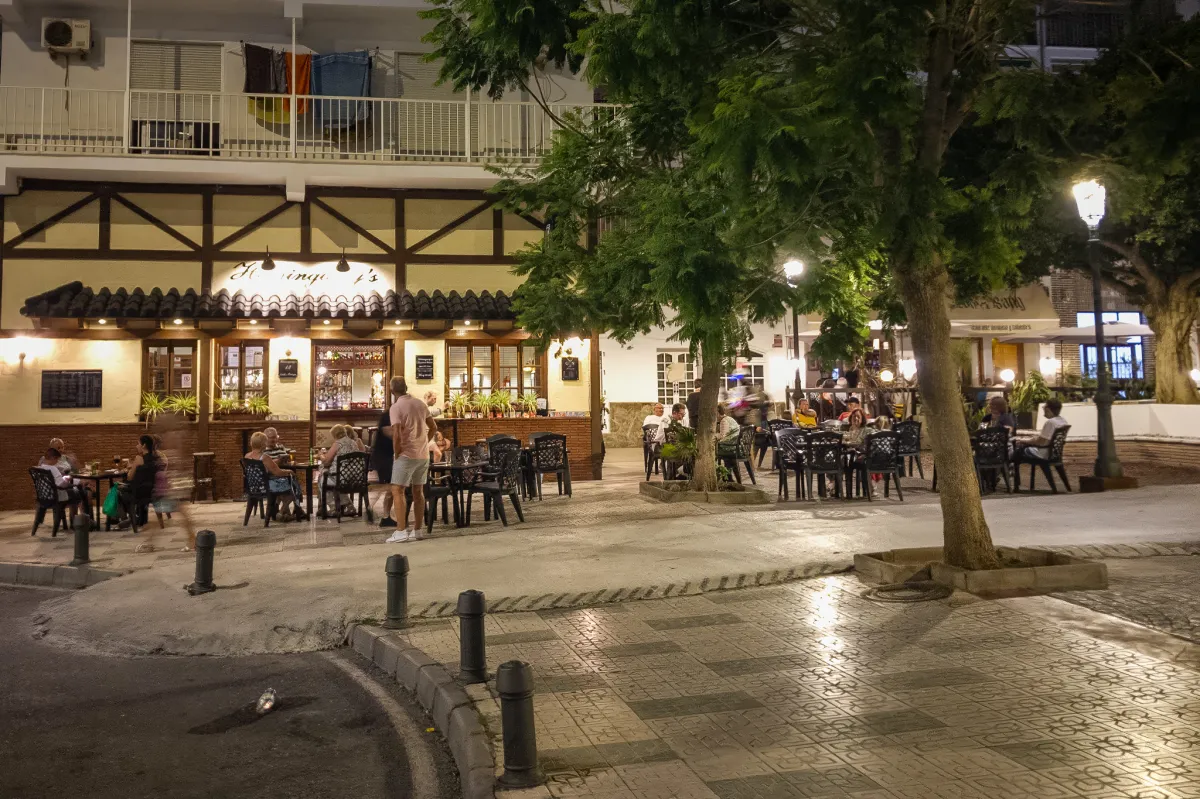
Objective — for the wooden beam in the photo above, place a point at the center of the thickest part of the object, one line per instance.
(534, 221)
(253, 226)
(80, 254)
(401, 245)
(462, 260)
(105, 242)
(204, 393)
(52, 220)
(448, 228)
(350, 223)
(497, 232)
(40, 184)
(306, 226)
(153, 220)
(2, 200)
(206, 240)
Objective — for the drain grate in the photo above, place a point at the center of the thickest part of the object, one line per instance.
(915, 591)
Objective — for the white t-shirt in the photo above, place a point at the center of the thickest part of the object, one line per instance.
(726, 426)
(1052, 424)
(661, 421)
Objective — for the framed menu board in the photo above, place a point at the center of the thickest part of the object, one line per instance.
(74, 388)
(424, 367)
(570, 368)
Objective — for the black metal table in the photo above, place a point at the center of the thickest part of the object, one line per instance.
(111, 476)
(308, 469)
(458, 483)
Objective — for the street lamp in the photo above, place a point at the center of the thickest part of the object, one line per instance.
(1089, 197)
(792, 270)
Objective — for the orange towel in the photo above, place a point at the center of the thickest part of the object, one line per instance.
(299, 79)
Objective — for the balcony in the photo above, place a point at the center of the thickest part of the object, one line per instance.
(272, 127)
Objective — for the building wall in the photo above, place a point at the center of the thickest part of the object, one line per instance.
(425, 346)
(21, 381)
(290, 397)
(1071, 293)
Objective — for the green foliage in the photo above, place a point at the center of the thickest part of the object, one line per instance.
(723, 474)
(500, 400)
(187, 404)
(481, 402)
(153, 404)
(258, 405)
(684, 446)
(460, 403)
(226, 405)
(528, 402)
(1028, 395)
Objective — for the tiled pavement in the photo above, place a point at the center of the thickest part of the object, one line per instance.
(809, 690)
(1154, 592)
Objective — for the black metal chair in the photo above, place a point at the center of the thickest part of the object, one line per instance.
(650, 448)
(46, 492)
(739, 452)
(772, 427)
(548, 455)
(441, 488)
(909, 434)
(259, 496)
(791, 453)
(825, 460)
(882, 456)
(507, 482)
(1058, 443)
(350, 477)
(136, 495)
(991, 455)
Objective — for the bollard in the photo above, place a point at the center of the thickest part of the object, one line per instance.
(472, 652)
(83, 528)
(206, 542)
(514, 683)
(397, 592)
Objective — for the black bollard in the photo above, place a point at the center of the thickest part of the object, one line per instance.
(206, 542)
(397, 592)
(514, 683)
(472, 652)
(83, 528)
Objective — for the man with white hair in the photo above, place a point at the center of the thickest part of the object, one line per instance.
(275, 448)
(431, 400)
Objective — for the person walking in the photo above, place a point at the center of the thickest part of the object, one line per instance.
(412, 430)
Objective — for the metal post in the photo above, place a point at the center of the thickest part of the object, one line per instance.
(206, 542)
(472, 652)
(292, 118)
(83, 528)
(467, 127)
(397, 592)
(514, 683)
(796, 345)
(1107, 463)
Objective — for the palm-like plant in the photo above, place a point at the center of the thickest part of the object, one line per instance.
(152, 405)
(529, 402)
(226, 405)
(500, 401)
(459, 404)
(258, 405)
(481, 402)
(187, 404)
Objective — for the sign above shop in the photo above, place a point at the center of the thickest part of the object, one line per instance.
(290, 278)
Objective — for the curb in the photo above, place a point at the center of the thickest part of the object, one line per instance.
(44, 574)
(447, 703)
(526, 603)
(1147, 549)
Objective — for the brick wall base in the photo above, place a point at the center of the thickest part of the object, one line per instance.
(577, 430)
(1178, 454)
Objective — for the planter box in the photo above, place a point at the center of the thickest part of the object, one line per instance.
(1040, 571)
(739, 495)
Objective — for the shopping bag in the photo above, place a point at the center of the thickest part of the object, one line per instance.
(112, 502)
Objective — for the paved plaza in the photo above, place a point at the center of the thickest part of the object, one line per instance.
(809, 690)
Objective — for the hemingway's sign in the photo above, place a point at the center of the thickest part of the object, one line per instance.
(291, 278)
(995, 302)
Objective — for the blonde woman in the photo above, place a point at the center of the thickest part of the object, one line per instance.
(343, 442)
(278, 479)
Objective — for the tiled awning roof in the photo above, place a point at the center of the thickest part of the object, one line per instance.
(76, 301)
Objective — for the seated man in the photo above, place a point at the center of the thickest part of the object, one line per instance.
(275, 447)
(1037, 450)
(852, 405)
(657, 417)
(804, 415)
(60, 470)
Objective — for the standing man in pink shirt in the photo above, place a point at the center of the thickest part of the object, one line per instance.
(412, 430)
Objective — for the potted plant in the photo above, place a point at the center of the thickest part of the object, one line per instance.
(184, 404)
(500, 402)
(1027, 396)
(225, 406)
(258, 406)
(152, 405)
(528, 402)
(480, 404)
(459, 404)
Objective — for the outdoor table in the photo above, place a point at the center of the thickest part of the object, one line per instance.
(308, 469)
(457, 483)
(111, 475)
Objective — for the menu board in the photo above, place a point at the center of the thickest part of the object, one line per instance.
(424, 367)
(570, 368)
(77, 388)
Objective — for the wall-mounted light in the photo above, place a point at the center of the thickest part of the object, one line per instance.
(325, 322)
(1049, 365)
(102, 321)
(343, 265)
(268, 263)
(467, 322)
(254, 321)
(178, 321)
(1007, 375)
(397, 323)
(908, 368)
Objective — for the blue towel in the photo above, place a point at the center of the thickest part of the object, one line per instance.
(341, 75)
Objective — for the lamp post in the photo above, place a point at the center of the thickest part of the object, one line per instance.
(792, 270)
(1089, 197)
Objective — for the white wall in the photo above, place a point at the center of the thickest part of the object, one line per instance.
(290, 397)
(1134, 419)
(21, 380)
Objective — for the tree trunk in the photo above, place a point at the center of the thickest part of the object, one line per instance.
(1172, 319)
(924, 289)
(704, 472)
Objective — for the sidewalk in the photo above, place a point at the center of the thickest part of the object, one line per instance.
(807, 689)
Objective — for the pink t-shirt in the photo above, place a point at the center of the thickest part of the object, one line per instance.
(409, 414)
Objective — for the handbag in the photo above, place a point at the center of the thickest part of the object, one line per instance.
(112, 502)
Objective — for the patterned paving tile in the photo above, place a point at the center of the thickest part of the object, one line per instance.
(733, 668)
(606, 755)
(693, 705)
(690, 622)
(930, 678)
(635, 650)
(838, 781)
(523, 637)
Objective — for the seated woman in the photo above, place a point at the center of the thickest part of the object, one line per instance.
(727, 430)
(278, 480)
(343, 442)
(858, 430)
(137, 490)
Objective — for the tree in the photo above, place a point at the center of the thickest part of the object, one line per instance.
(826, 127)
(1138, 110)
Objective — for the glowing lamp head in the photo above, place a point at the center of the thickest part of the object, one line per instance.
(179, 321)
(1089, 197)
(908, 368)
(102, 321)
(268, 263)
(887, 376)
(1195, 375)
(1007, 375)
(325, 321)
(793, 269)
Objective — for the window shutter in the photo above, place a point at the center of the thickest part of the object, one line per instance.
(431, 125)
(417, 79)
(156, 68)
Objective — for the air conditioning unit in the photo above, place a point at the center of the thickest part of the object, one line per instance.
(66, 35)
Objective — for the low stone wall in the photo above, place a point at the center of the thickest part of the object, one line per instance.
(1178, 454)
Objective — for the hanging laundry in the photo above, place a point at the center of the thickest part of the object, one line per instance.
(299, 75)
(279, 83)
(259, 78)
(341, 75)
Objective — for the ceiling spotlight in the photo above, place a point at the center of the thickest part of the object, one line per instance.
(254, 321)
(325, 322)
(397, 322)
(102, 321)
(179, 321)
(343, 265)
(268, 263)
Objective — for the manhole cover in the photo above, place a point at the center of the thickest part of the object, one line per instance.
(920, 591)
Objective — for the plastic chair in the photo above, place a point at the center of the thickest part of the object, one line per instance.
(991, 454)
(824, 458)
(791, 452)
(507, 482)
(739, 452)
(46, 492)
(549, 456)
(259, 496)
(882, 456)
(1058, 443)
(909, 434)
(350, 478)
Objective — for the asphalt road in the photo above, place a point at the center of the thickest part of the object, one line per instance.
(86, 725)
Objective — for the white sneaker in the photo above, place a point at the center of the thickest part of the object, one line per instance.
(398, 537)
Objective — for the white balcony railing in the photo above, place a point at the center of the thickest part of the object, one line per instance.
(256, 127)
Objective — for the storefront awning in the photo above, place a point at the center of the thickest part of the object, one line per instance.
(76, 301)
(1023, 310)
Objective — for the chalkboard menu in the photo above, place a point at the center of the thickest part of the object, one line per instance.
(289, 368)
(424, 367)
(570, 368)
(80, 388)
